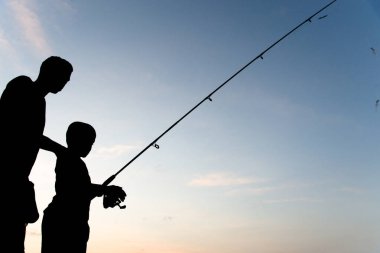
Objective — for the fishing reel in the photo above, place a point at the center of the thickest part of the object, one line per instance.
(114, 196)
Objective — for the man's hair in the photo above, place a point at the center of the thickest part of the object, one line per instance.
(55, 64)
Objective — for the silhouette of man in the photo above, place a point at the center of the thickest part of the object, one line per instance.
(22, 122)
(65, 221)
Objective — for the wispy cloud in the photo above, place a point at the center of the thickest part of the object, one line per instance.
(168, 218)
(222, 179)
(255, 190)
(251, 191)
(7, 51)
(237, 186)
(115, 150)
(293, 200)
(30, 24)
(65, 5)
(4, 42)
(354, 190)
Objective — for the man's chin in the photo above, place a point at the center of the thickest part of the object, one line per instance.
(55, 91)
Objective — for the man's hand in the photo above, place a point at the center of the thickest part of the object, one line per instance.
(52, 146)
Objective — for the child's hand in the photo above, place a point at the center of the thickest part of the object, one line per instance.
(113, 196)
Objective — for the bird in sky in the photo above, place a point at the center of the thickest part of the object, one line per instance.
(373, 50)
(377, 103)
(322, 17)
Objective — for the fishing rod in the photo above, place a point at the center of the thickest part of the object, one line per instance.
(208, 97)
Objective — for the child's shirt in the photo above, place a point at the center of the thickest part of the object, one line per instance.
(73, 187)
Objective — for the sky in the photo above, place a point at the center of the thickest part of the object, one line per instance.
(284, 159)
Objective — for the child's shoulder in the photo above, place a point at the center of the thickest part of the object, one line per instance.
(70, 158)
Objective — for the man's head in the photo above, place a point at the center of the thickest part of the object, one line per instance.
(55, 72)
(80, 137)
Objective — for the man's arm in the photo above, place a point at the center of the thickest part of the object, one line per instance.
(52, 146)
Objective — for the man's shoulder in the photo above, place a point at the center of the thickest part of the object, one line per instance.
(24, 81)
(18, 85)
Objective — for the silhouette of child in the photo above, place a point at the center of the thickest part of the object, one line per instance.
(65, 221)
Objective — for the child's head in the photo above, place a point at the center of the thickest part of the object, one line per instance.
(80, 137)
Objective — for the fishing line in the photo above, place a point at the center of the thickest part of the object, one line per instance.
(208, 97)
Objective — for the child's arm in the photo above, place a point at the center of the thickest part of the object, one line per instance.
(97, 190)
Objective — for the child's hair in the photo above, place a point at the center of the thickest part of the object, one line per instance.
(79, 131)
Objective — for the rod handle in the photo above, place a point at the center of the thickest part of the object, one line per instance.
(109, 180)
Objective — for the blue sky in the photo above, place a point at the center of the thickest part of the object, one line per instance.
(285, 157)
